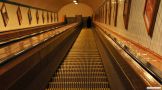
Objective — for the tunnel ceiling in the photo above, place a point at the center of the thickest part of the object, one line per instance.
(55, 5)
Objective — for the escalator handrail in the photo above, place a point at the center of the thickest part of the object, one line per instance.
(27, 28)
(159, 79)
(2, 44)
(5, 60)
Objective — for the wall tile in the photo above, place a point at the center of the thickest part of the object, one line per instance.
(137, 29)
(13, 20)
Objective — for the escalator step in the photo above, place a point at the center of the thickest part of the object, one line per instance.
(79, 84)
(82, 68)
(90, 58)
(79, 79)
(78, 89)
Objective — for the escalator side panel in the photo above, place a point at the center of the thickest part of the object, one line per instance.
(111, 70)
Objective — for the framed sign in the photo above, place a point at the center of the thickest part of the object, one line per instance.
(115, 12)
(47, 17)
(37, 16)
(100, 11)
(29, 16)
(43, 18)
(51, 17)
(99, 14)
(150, 13)
(4, 15)
(105, 13)
(102, 14)
(126, 12)
(109, 11)
(19, 15)
(54, 17)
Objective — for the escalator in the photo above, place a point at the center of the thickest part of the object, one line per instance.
(82, 68)
(25, 62)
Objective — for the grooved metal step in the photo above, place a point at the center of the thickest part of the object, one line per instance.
(79, 63)
(69, 60)
(78, 84)
(78, 89)
(82, 68)
(83, 58)
(79, 79)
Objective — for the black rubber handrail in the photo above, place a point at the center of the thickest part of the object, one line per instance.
(27, 28)
(2, 44)
(157, 77)
(9, 58)
(126, 49)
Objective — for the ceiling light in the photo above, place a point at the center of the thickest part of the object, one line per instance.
(74, 1)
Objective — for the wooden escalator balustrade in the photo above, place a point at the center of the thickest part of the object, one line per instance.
(23, 70)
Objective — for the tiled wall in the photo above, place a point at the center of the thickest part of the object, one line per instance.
(13, 19)
(136, 28)
(120, 22)
(156, 42)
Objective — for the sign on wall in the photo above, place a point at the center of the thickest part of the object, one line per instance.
(150, 13)
(4, 15)
(19, 15)
(51, 17)
(43, 18)
(109, 11)
(115, 12)
(29, 16)
(126, 12)
(37, 16)
(47, 17)
(54, 17)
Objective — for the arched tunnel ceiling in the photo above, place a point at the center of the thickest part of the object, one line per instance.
(55, 5)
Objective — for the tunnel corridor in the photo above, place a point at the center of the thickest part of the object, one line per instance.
(80, 45)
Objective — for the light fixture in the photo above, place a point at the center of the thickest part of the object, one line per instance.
(75, 2)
